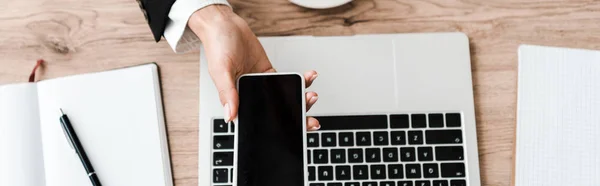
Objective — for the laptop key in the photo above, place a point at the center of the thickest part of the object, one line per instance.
(222, 158)
(407, 154)
(458, 183)
(338, 156)
(405, 183)
(436, 120)
(413, 171)
(223, 142)
(325, 173)
(418, 120)
(373, 155)
(440, 183)
(425, 153)
(308, 156)
(371, 183)
(453, 120)
(219, 126)
(312, 140)
(422, 183)
(320, 156)
(334, 184)
(355, 155)
(346, 139)
(351, 184)
(363, 138)
(317, 184)
(380, 138)
(395, 171)
(342, 173)
(220, 175)
(390, 154)
(399, 121)
(378, 172)
(398, 137)
(415, 137)
(311, 173)
(443, 136)
(452, 170)
(328, 140)
(449, 153)
(353, 122)
(387, 183)
(360, 172)
(232, 127)
(430, 170)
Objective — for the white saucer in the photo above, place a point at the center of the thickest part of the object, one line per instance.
(319, 4)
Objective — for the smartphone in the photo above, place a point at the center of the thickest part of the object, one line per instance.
(270, 138)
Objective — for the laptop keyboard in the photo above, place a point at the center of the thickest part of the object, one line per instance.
(369, 150)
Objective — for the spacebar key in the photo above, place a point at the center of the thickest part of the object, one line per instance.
(353, 122)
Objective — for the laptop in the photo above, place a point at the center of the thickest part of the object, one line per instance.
(394, 109)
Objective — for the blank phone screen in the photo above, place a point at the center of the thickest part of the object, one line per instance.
(270, 141)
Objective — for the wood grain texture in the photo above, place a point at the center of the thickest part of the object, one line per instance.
(80, 36)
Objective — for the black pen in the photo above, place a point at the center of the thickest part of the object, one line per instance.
(76, 144)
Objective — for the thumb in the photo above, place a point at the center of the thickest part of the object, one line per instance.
(225, 83)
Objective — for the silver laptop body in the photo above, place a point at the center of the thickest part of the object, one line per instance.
(420, 84)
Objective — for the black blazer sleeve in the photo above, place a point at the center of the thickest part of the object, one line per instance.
(157, 14)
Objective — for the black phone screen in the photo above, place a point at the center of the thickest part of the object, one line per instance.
(270, 141)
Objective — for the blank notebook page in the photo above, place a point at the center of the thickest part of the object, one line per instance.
(558, 117)
(117, 116)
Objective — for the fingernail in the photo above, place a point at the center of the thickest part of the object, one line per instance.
(315, 127)
(227, 113)
(314, 77)
(313, 99)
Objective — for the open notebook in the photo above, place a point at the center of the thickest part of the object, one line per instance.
(117, 114)
(558, 117)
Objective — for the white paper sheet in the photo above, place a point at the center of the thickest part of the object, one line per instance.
(117, 116)
(21, 159)
(558, 121)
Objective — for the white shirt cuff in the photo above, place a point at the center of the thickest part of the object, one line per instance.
(177, 33)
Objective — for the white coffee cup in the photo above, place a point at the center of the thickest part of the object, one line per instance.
(320, 4)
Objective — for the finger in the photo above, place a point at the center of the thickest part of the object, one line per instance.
(224, 81)
(263, 65)
(312, 124)
(270, 70)
(311, 99)
(309, 77)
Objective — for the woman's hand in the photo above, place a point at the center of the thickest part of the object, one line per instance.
(232, 50)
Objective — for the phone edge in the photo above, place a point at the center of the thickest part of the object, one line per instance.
(304, 129)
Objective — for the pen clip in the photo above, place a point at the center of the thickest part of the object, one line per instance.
(64, 129)
(67, 138)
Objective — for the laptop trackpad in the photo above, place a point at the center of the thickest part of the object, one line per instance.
(355, 75)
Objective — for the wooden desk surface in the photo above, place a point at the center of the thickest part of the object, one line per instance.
(79, 36)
